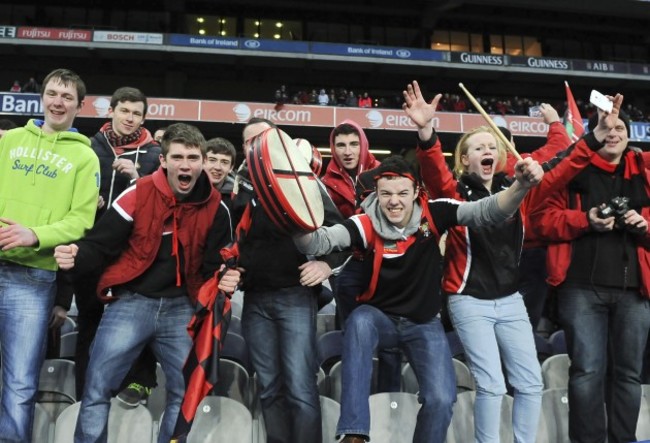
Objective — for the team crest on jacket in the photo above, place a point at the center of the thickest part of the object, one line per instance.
(424, 229)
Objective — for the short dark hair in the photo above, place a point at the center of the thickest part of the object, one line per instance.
(6, 124)
(256, 120)
(66, 77)
(506, 132)
(395, 165)
(182, 133)
(129, 94)
(344, 129)
(220, 145)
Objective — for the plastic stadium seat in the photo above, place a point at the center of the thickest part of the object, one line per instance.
(330, 348)
(464, 379)
(643, 424)
(461, 429)
(235, 325)
(133, 425)
(68, 345)
(555, 371)
(236, 349)
(325, 323)
(393, 417)
(554, 421)
(330, 411)
(543, 346)
(221, 419)
(558, 342)
(156, 401)
(69, 325)
(336, 380)
(43, 427)
(233, 382)
(455, 345)
(323, 382)
(56, 386)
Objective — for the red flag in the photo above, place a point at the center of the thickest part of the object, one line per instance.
(208, 328)
(572, 120)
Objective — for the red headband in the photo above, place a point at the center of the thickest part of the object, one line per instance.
(393, 174)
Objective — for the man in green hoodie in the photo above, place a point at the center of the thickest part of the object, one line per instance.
(49, 186)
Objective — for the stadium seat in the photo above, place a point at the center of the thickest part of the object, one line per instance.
(156, 401)
(235, 325)
(464, 379)
(233, 382)
(555, 371)
(236, 349)
(69, 325)
(558, 342)
(330, 411)
(455, 345)
(330, 348)
(461, 429)
(323, 382)
(221, 419)
(554, 420)
(68, 345)
(325, 323)
(336, 380)
(543, 346)
(43, 427)
(393, 416)
(132, 425)
(236, 308)
(643, 424)
(56, 386)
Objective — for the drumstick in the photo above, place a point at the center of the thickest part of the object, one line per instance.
(490, 122)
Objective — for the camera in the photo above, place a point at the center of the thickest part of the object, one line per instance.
(617, 207)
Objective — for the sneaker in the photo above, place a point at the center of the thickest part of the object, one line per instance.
(134, 394)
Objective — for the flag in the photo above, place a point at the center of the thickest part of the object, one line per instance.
(572, 120)
(208, 328)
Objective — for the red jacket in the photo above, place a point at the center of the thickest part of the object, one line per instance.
(155, 204)
(340, 185)
(553, 221)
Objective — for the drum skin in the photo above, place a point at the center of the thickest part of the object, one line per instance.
(284, 183)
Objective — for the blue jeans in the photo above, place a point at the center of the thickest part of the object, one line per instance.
(492, 331)
(26, 301)
(610, 325)
(127, 326)
(426, 348)
(280, 329)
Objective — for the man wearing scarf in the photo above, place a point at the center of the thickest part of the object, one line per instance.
(599, 263)
(126, 151)
(401, 230)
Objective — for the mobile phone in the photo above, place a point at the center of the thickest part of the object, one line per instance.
(534, 111)
(600, 101)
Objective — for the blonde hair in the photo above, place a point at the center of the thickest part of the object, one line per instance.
(462, 147)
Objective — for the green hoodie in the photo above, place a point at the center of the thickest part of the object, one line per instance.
(50, 184)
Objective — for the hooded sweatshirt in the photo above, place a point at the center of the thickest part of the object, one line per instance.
(50, 184)
(341, 186)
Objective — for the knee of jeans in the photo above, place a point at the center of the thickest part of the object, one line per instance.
(360, 324)
(491, 389)
(440, 400)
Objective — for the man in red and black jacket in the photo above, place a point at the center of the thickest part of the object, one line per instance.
(157, 244)
(599, 261)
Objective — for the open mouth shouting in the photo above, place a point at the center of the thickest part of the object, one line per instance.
(184, 181)
(487, 165)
